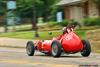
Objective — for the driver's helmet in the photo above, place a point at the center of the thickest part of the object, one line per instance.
(64, 30)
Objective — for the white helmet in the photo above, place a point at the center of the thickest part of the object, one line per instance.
(64, 29)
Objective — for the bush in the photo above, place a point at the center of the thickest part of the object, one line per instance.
(64, 23)
(52, 23)
(91, 21)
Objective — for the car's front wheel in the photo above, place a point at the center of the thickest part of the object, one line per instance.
(56, 49)
(87, 48)
(30, 49)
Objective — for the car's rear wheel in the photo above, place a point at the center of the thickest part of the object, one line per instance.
(87, 48)
(30, 49)
(56, 49)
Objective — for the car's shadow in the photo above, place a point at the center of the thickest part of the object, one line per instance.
(71, 56)
(65, 56)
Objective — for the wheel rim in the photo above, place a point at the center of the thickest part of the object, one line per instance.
(54, 49)
(29, 49)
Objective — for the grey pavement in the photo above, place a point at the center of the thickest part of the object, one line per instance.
(11, 42)
(14, 57)
(17, 57)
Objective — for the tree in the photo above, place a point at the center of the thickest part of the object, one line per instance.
(2, 7)
(43, 8)
(49, 8)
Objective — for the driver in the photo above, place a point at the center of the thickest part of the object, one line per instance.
(65, 30)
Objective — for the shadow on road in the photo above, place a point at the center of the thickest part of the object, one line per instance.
(71, 56)
(60, 57)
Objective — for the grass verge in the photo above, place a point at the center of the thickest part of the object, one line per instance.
(42, 34)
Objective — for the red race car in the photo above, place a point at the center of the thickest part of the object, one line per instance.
(68, 42)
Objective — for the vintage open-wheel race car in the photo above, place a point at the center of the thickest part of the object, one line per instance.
(68, 43)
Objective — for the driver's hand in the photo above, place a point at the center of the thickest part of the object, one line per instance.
(54, 38)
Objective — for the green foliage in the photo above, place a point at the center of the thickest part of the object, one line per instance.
(25, 8)
(91, 21)
(64, 23)
(43, 35)
(2, 7)
(52, 23)
(43, 8)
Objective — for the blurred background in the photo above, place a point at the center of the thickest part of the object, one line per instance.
(33, 19)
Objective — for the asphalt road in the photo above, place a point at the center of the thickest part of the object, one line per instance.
(15, 57)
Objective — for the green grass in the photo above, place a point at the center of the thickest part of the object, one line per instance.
(43, 34)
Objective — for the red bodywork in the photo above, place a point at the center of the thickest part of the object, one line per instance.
(70, 43)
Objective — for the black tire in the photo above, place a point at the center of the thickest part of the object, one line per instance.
(87, 48)
(30, 49)
(56, 49)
